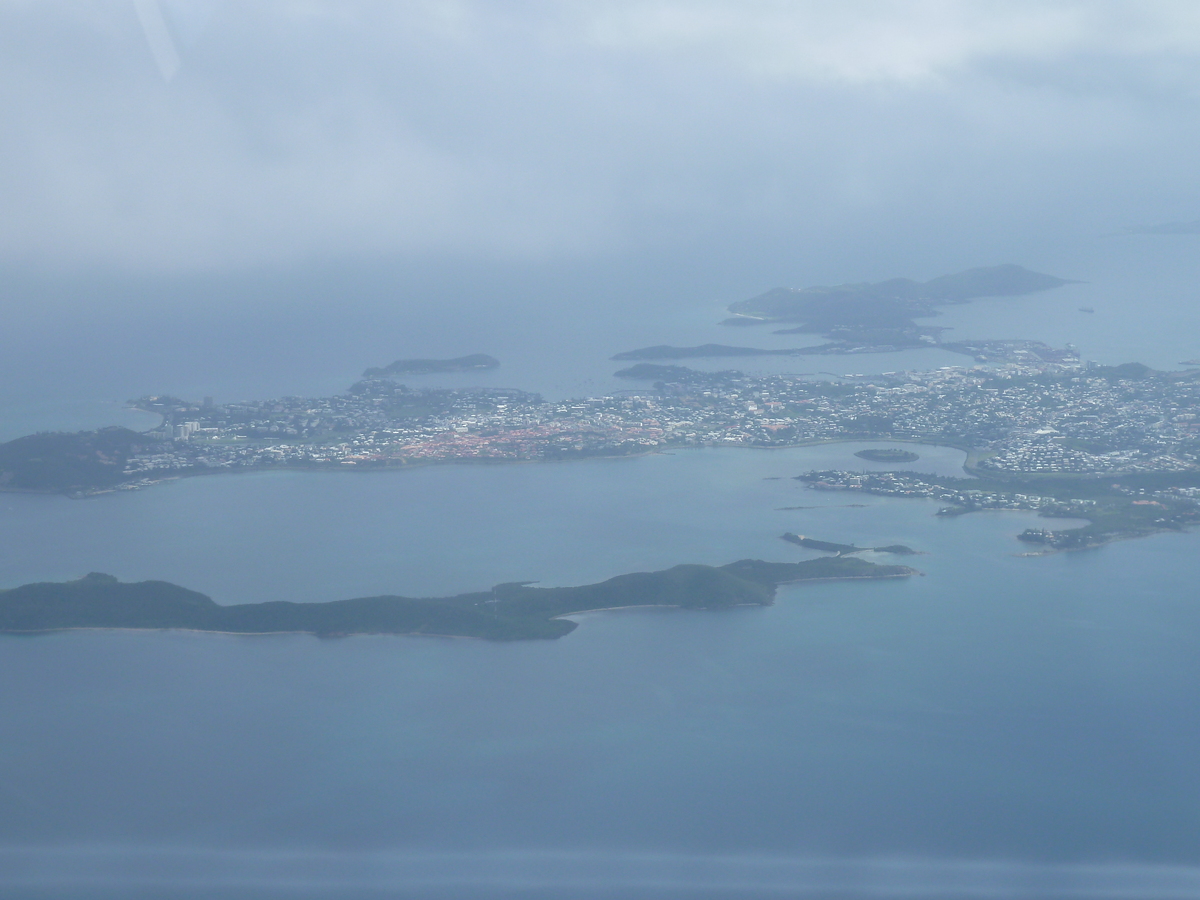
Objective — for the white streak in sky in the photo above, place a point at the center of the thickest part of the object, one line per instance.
(192, 869)
(158, 36)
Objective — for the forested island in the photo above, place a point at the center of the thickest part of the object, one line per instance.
(433, 366)
(874, 317)
(516, 611)
(879, 316)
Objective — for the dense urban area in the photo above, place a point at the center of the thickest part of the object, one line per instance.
(1033, 416)
(1118, 446)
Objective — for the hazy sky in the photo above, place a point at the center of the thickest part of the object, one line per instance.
(537, 131)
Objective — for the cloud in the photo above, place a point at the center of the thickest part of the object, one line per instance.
(904, 41)
(557, 129)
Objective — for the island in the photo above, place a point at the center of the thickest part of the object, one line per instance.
(879, 316)
(515, 611)
(434, 366)
(1033, 429)
(887, 455)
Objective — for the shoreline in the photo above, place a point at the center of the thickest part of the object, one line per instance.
(83, 493)
(569, 616)
(131, 629)
(1051, 551)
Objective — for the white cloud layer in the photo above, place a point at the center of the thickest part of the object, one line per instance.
(544, 129)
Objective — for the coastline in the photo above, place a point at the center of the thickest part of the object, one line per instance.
(93, 598)
(79, 494)
(968, 468)
(31, 632)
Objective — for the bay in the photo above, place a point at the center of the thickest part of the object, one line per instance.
(999, 726)
(443, 529)
(996, 709)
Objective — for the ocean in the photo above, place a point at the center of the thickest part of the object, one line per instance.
(998, 726)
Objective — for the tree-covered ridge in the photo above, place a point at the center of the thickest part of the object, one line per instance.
(64, 461)
(892, 303)
(880, 316)
(507, 612)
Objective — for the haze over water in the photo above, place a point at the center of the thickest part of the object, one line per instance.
(553, 328)
(246, 201)
(988, 726)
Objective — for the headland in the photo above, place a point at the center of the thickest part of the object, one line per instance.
(431, 366)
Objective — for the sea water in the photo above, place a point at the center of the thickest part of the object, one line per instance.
(997, 708)
(72, 354)
(999, 725)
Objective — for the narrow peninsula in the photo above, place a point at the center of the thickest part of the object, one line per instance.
(469, 363)
(844, 549)
(506, 612)
(665, 351)
(1130, 505)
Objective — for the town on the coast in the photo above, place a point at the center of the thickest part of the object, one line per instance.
(1116, 445)
(1031, 417)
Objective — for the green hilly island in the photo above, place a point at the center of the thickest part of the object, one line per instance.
(880, 314)
(893, 302)
(507, 612)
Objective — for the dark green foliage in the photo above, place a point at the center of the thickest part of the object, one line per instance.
(60, 461)
(507, 612)
(882, 314)
(1130, 371)
(823, 546)
(651, 372)
(989, 281)
(100, 601)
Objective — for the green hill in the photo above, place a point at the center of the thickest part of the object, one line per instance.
(60, 461)
(507, 612)
(840, 310)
